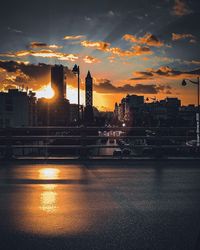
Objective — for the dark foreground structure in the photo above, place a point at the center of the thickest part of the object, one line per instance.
(142, 205)
(85, 143)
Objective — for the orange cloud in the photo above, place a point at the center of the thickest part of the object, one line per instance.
(176, 37)
(90, 59)
(148, 39)
(104, 46)
(68, 57)
(131, 38)
(180, 8)
(145, 58)
(100, 45)
(48, 53)
(135, 51)
(119, 52)
(141, 50)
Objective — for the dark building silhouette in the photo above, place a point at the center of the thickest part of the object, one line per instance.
(129, 110)
(134, 112)
(55, 111)
(74, 115)
(58, 81)
(89, 116)
(17, 108)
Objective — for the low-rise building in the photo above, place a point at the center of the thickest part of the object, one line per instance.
(17, 109)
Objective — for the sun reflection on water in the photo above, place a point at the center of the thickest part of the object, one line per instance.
(48, 196)
(53, 207)
(49, 173)
(48, 201)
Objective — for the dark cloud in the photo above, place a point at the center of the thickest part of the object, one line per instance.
(180, 8)
(163, 72)
(34, 75)
(37, 45)
(107, 87)
(15, 30)
(32, 70)
(41, 45)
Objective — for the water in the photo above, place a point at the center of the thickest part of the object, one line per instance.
(51, 206)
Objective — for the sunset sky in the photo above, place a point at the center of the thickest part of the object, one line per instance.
(141, 47)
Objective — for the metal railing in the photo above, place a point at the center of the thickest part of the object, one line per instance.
(97, 142)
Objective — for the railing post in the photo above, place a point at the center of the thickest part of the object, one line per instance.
(8, 150)
(83, 142)
(158, 148)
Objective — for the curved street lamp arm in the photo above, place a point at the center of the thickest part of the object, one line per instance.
(194, 82)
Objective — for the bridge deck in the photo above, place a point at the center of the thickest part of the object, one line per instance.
(149, 205)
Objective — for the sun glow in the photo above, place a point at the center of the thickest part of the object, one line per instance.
(48, 173)
(46, 92)
(72, 95)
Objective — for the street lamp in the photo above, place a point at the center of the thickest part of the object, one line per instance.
(184, 83)
(76, 70)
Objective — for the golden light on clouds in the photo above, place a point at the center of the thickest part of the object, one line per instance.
(91, 59)
(43, 53)
(100, 45)
(148, 39)
(136, 50)
(74, 37)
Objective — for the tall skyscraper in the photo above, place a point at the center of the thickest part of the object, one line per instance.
(58, 81)
(88, 98)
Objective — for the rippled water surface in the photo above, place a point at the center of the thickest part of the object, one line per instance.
(49, 206)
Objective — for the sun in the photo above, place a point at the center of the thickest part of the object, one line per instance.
(46, 92)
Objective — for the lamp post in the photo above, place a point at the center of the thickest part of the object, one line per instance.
(184, 83)
(76, 70)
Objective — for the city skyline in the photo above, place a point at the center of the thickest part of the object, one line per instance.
(99, 125)
(143, 48)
